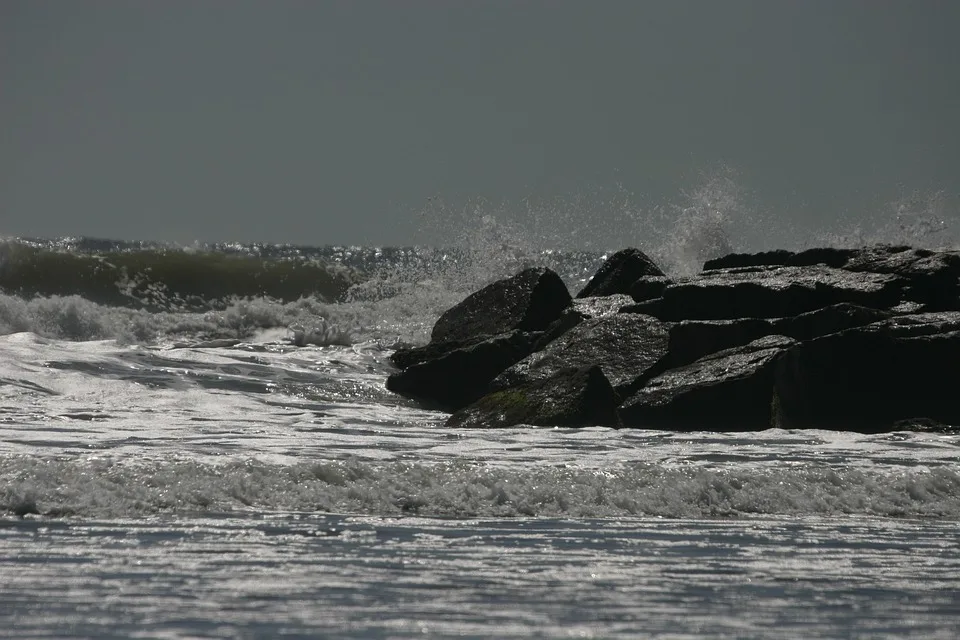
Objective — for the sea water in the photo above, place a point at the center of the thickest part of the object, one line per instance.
(182, 468)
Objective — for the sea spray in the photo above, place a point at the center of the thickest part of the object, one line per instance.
(143, 292)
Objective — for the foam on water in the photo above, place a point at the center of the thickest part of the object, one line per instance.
(236, 468)
(399, 292)
(104, 487)
(93, 429)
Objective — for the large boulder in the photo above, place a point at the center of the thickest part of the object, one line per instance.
(528, 301)
(933, 276)
(827, 320)
(774, 292)
(459, 376)
(570, 398)
(826, 256)
(649, 288)
(870, 378)
(727, 391)
(691, 340)
(581, 309)
(619, 272)
(624, 346)
(409, 356)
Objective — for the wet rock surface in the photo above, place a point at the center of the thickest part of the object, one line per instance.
(853, 339)
(649, 288)
(568, 398)
(458, 377)
(619, 273)
(473, 341)
(529, 301)
(730, 391)
(775, 292)
(581, 309)
(870, 378)
(624, 346)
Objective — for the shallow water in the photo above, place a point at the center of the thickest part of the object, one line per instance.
(271, 574)
(261, 490)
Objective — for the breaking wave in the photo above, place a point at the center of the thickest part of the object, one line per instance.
(141, 292)
(104, 487)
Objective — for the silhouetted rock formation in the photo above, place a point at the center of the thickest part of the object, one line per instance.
(475, 340)
(529, 301)
(772, 292)
(461, 375)
(854, 339)
(871, 377)
(619, 273)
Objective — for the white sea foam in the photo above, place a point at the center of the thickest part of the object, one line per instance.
(96, 429)
(185, 474)
(404, 291)
(103, 486)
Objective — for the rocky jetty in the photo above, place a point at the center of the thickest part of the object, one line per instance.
(851, 339)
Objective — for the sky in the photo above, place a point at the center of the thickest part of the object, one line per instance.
(338, 122)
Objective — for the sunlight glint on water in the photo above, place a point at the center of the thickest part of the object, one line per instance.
(236, 468)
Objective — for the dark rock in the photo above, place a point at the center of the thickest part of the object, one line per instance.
(598, 307)
(922, 324)
(904, 261)
(24, 507)
(821, 322)
(581, 309)
(462, 375)
(778, 258)
(719, 351)
(827, 256)
(409, 356)
(775, 292)
(624, 346)
(650, 307)
(727, 391)
(691, 340)
(529, 301)
(571, 398)
(868, 378)
(619, 272)
(933, 275)
(649, 287)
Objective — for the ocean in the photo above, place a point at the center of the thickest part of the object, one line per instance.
(196, 442)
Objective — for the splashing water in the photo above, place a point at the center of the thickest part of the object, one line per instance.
(930, 220)
(698, 227)
(404, 289)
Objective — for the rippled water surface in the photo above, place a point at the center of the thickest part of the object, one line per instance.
(360, 576)
(260, 490)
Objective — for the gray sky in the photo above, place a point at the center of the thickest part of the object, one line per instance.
(332, 122)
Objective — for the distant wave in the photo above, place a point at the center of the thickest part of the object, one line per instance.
(162, 278)
(149, 292)
(142, 292)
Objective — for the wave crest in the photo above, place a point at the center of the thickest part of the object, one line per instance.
(103, 487)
